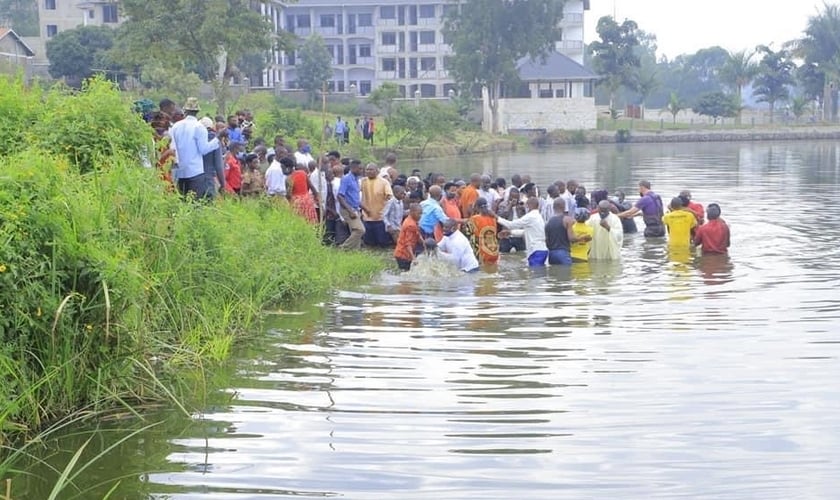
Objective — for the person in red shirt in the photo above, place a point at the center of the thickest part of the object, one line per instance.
(409, 238)
(713, 236)
(693, 207)
(469, 195)
(233, 169)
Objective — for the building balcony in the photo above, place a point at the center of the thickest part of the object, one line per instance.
(327, 30)
(361, 30)
(428, 21)
(365, 61)
(386, 75)
(571, 18)
(570, 45)
(427, 49)
(386, 49)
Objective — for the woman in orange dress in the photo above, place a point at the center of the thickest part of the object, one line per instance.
(482, 231)
(298, 192)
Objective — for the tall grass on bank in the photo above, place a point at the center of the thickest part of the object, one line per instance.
(110, 285)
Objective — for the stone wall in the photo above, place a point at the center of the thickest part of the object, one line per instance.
(544, 114)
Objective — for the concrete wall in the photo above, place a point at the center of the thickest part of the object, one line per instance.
(544, 114)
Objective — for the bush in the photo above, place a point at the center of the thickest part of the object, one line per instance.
(110, 285)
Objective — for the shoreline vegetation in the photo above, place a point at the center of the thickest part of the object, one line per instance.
(624, 135)
(115, 294)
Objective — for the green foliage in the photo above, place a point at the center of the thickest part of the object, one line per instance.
(194, 34)
(614, 56)
(20, 109)
(89, 127)
(489, 38)
(110, 285)
(383, 98)
(174, 82)
(820, 49)
(775, 77)
(315, 67)
(78, 53)
(429, 121)
(21, 15)
(716, 105)
(675, 106)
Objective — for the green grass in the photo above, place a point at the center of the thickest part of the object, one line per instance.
(112, 288)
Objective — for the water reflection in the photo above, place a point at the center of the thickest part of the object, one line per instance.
(664, 375)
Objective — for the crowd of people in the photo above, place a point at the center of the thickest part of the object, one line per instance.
(469, 222)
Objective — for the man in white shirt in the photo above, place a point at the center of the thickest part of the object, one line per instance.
(552, 193)
(189, 140)
(275, 178)
(487, 192)
(303, 155)
(569, 197)
(533, 227)
(456, 248)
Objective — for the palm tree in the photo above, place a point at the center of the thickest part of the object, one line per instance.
(646, 82)
(774, 78)
(675, 105)
(821, 47)
(738, 71)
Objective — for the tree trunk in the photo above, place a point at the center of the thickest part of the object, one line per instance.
(738, 96)
(828, 105)
(772, 109)
(493, 91)
(221, 93)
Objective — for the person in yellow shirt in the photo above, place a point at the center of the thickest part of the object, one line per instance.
(679, 221)
(583, 232)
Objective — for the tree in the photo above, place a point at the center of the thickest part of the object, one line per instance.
(799, 106)
(737, 72)
(820, 48)
(207, 36)
(675, 106)
(383, 98)
(315, 67)
(645, 83)
(77, 54)
(489, 38)
(716, 105)
(775, 76)
(614, 56)
(21, 15)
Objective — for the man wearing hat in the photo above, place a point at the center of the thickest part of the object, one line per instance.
(191, 144)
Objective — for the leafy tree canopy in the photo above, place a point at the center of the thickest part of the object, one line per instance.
(315, 66)
(716, 105)
(78, 53)
(21, 15)
(615, 56)
(488, 38)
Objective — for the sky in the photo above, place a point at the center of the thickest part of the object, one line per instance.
(685, 26)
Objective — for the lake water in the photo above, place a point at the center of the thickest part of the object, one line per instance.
(712, 378)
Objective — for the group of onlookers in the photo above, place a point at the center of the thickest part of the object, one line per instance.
(470, 222)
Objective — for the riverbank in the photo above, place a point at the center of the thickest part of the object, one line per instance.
(115, 293)
(565, 137)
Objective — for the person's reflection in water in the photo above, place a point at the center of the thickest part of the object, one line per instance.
(715, 269)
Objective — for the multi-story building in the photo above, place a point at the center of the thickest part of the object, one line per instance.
(56, 16)
(387, 40)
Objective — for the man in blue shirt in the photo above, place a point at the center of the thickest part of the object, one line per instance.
(190, 142)
(432, 212)
(340, 127)
(234, 131)
(350, 199)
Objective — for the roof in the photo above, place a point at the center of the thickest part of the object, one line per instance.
(4, 32)
(557, 66)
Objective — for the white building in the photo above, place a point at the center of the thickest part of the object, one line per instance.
(55, 16)
(387, 40)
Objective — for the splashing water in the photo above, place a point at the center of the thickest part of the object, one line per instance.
(431, 265)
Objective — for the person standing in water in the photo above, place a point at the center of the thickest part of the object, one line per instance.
(533, 227)
(652, 210)
(583, 233)
(608, 235)
(713, 236)
(455, 248)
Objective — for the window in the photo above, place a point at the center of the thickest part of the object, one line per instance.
(340, 86)
(427, 64)
(389, 38)
(364, 51)
(387, 13)
(91, 14)
(365, 20)
(427, 38)
(389, 64)
(327, 21)
(364, 87)
(546, 93)
(49, 4)
(52, 30)
(303, 21)
(427, 11)
(109, 13)
(447, 63)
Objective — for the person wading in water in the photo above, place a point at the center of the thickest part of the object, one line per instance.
(650, 206)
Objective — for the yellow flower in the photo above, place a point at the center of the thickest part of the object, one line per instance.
(2, 268)
(38, 312)
(88, 327)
